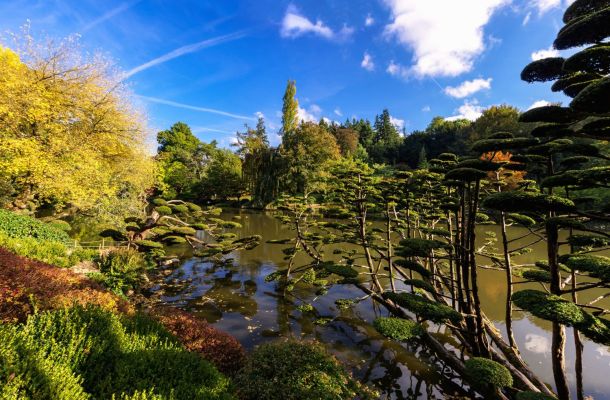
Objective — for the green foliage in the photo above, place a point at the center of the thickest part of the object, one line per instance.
(533, 396)
(22, 226)
(413, 266)
(417, 247)
(82, 353)
(484, 373)
(550, 307)
(420, 284)
(148, 244)
(426, 309)
(164, 210)
(597, 266)
(544, 70)
(344, 271)
(588, 241)
(525, 201)
(397, 328)
(122, 269)
(47, 251)
(293, 371)
(590, 28)
(593, 98)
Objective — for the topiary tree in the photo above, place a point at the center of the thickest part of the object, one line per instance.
(170, 222)
(570, 161)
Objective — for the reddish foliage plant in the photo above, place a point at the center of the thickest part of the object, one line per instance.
(222, 349)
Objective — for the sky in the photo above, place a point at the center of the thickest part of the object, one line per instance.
(219, 64)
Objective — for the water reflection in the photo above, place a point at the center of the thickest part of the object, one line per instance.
(235, 297)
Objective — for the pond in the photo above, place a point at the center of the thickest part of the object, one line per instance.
(235, 297)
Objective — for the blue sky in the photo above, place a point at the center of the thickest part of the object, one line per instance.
(217, 64)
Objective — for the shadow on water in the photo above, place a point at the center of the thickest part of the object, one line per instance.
(235, 297)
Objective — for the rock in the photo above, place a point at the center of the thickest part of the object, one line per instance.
(85, 267)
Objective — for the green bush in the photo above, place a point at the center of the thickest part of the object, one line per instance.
(122, 269)
(533, 396)
(22, 226)
(484, 372)
(82, 353)
(397, 328)
(47, 251)
(294, 371)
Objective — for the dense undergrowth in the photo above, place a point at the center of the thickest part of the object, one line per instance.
(89, 352)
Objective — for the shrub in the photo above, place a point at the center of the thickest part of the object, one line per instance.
(47, 251)
(22, 226)
(220, 348)
(397, 328)
(293, 371)
(484, 372)
(70, 352)
(122, 269)
(533, 396)
(25, 284)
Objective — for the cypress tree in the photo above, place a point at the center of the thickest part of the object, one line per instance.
(290, 109)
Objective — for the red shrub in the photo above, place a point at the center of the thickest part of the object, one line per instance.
(222, 349)
(27, 284)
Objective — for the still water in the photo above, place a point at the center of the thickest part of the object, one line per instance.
(235, 298)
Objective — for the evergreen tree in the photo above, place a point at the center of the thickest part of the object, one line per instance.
(290, 109)
(422, 162)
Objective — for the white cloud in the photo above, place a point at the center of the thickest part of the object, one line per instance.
(395, 69)
(537, 344)
(310, 115)
(539, 103)
(470, 110)
(315, 109)
(398, 123)
(179, 52)
(445, 36)
(468, 88)
(545, 5)
(426, 109)
(544, 53)
(259, 114)
(194, 108)
(369, 20)
(294, 25)
(527, 18)
(338, 112)
(367, 62)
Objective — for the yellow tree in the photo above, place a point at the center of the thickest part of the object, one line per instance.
(69, 135)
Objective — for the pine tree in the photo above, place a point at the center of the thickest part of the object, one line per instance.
(290, 109)
(422, 163)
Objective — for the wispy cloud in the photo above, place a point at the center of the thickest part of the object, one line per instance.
(189, 48)
(195, 108)
(203, 129)
(111, 13)
(295, 24)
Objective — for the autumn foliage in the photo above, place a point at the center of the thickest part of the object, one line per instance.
(27, 285)
(222, 349)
